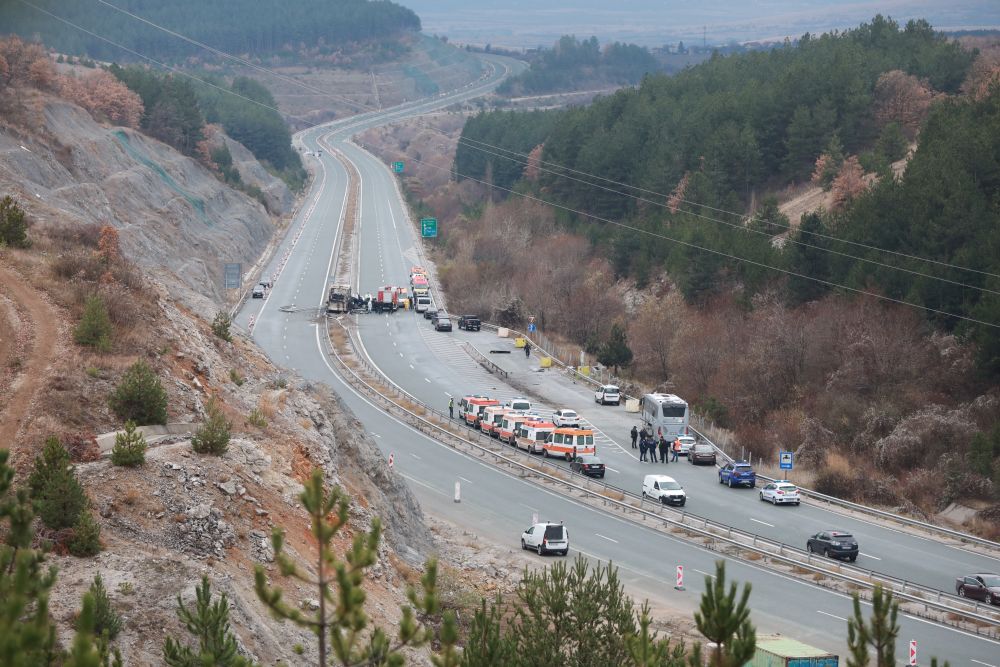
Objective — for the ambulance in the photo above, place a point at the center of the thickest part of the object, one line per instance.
(564, 440)
(510, 423)
(492, 417)
(532, 434)
(474, 410)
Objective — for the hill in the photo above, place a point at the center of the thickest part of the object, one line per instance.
(259, 27)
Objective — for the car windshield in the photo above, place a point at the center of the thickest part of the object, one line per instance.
(787, 488)
(568, 413)
(991, 580)
(672, 486)
(842, 536)
(703, 449)
(553, 532)
(611, 390)
(589, 459)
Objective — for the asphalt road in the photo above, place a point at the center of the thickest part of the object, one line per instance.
(497, 506)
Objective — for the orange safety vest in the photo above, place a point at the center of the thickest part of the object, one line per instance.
(677, 445)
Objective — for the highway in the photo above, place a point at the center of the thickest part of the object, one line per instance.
(497, 506)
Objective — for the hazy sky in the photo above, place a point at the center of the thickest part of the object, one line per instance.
(656, 22)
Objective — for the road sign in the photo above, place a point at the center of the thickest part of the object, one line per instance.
(785, 460)
(532, 328)
(913, 652)
(428, 227)
(397, 167)
(680, 578)
(232, 275)
(392, 455)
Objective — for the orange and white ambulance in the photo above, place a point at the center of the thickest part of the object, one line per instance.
(532, 434)
(474, 408)
(565, 441)
(510, 423)
(492, 417)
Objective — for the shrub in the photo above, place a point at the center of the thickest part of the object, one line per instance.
(139, 396)
(86, 540)
(213, 436)
(130, 447)
(106, 619)
(13, 226)
(220, 326)
(58, 497)
(257, 418)
(235, 377)
(94, 329)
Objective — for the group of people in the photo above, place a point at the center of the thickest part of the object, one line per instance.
(648, 445)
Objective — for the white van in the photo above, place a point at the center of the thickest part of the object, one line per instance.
(665, 489)
(607, 394)
(518, 403)
(423, 303)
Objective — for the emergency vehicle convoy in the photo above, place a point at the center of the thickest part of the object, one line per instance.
(515, 424)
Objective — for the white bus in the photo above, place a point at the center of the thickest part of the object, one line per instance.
(665, 414)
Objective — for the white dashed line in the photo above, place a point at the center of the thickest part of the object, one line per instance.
(704, 573)
(869, 555)
(839, 618)
(605, 537)
(762, 522)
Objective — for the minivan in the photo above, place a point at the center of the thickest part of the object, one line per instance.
(665, 489)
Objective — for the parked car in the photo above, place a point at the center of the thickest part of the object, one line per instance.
(665, 489)
(266, 283)
(607, 394)
(469, 323)
(739, 473)
(702, 453)
(518, 403)
(587, 464)
(687, 442)
(546, 537)
(443, 323)
(566, 417)
(780, 493)
(835, 544)
(985, 587)
(430, 313)
(257, 292)
(438, 314)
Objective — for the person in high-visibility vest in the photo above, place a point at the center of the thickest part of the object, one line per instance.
(677, 449)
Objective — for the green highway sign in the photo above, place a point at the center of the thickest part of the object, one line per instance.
(397, 167)
(428, 227)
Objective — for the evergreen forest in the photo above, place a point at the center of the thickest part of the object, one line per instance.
(258, 27)
(673, 174)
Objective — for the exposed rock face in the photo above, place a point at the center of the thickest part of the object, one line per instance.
(279, 197)
(173, 215)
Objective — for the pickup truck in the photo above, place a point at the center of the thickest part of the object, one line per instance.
(739, 473)
(469, 323)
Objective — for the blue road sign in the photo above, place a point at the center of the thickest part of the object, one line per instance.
(785, 460)
(397, 167)
(428, 227)
(532, 328)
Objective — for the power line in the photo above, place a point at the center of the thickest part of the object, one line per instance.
(714, 251)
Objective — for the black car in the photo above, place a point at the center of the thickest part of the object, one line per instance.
(430, 313)
(442, 323)
(835, 544)
(587, 464)
(469, 323)
(985, 587)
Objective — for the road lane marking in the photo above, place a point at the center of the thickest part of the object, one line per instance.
(533, 509)
(414, 456)
(466, 480)
(606, 538)
(980, 662)
(427, 381)
(376, 434)
(839, 618)
(411, 367)
(611, 469)
(704, 573)
(423, 484)
(869, 555)
(763, 522)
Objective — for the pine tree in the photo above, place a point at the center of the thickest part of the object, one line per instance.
(213, 436)
(139, 396)
(340, 620)
(130, 447)
(220, 326)
(209, 623)
(808, 261)
(27, 633)
(94, 329)
(59, 499)
(90, 648)
(13, 227)
(726, 622)
(879, 634)
(86, 540)
(615, 352)
(106, 619)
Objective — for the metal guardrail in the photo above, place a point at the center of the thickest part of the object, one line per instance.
(940, 531)
(486, 363)
(765, 548)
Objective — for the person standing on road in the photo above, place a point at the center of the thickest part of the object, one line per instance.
(642, 449)
(663, 449)
(527, 349)
(635, 435)
(677, 448)
(451, 408)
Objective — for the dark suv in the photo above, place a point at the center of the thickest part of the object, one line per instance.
(469, 323)
(834, 543)
(739, 473)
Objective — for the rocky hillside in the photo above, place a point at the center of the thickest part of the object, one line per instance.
(174, 217)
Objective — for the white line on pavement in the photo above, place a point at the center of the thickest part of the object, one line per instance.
(763, 522)
(704, 573)
(980, 662)
(465, 480)
(611, 469)
(427, 381)
(423, 484)
(414, 456)
(869, 555)
(839, 618)
(606, 538)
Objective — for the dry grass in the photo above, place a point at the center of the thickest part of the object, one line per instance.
(753, 556)
(131, 496)
(266, 405)
(613, 495)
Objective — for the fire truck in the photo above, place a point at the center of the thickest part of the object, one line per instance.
(388, 299)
